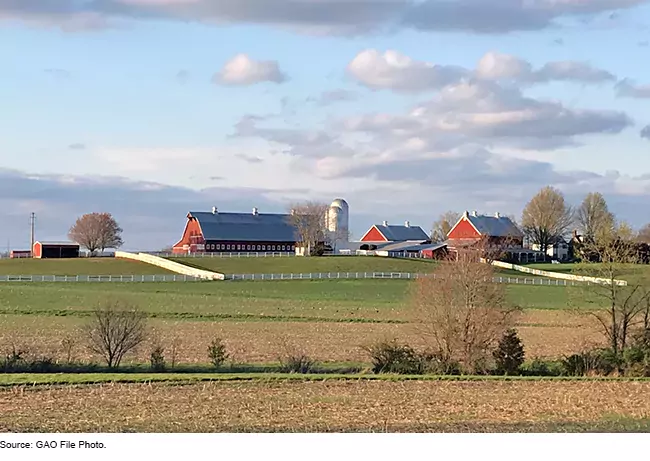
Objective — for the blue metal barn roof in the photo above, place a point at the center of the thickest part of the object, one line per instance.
(403, 233)
(262, 227)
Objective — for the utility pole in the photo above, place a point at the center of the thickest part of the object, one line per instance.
(32, 222)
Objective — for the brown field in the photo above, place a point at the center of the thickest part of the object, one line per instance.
(545, 333)
(340, 406)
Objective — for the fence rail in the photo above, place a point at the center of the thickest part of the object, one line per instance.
(269, 277)
(390, 275)
(98, 278)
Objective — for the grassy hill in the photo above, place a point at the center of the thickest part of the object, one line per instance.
(295, 265)
(77, 266)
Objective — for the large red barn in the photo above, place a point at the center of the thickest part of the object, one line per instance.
(236, 232)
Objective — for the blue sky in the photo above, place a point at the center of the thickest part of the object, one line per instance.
(133, 98)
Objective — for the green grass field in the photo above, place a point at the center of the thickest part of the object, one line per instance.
(296, 265)
(341, 300)
(78, 266)
(299, 265)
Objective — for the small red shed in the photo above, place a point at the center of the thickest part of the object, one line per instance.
(55, 250)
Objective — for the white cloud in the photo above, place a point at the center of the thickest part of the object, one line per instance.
(242, 70)
(395, 71)
(398, 72)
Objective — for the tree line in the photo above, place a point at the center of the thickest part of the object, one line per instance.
(548, 217)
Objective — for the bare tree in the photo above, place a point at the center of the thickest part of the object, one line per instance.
(546, 217)
(443, 225)
(643, 236)
(593, 217)
(116, 329)
(310, 222)
(621, 308)
(96, 231)
(461, 312)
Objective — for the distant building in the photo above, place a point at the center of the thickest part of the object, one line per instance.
(472, 228)
(558, 249)
(17, 254)
(384, 233)
(46, 250)
(217, 232)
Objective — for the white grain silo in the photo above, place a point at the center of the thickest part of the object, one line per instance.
(338, 222)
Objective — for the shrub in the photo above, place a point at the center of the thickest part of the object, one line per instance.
(509, 355)
(14, 360)
(392, 357)
(157, 359)
(597, 361)
(437, 364)
(217, 352)
(116, 329)
(297, 363)
(541, 367)
(43, 365)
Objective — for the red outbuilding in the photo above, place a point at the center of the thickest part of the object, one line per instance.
(55, 250)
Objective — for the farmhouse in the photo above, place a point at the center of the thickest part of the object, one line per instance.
(55, 250)
(496, 231)
(236, 232)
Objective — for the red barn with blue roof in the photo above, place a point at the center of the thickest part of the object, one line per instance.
(472, 228)
(236, 232)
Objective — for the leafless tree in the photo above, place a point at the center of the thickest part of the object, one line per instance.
(96, 231)
(461, 312)
(443, 225)
(593, 216)
(116, 329)
(619, 309)
(546, 217)
(643, 236)
(310, 222)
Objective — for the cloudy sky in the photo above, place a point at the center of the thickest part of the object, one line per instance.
(406, 108)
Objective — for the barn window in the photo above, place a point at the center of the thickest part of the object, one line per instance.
(248, 247)
(293, 247)
(259, 247)
(263, 247)
(238, 247)
(228, 247)
(273, 248)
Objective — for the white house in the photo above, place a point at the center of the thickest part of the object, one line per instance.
(557, 250)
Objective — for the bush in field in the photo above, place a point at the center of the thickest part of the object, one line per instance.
(509, 355)
(294, 359)
(392, 357)
(116, 329)
(14, 360)
(217, 352)
(541, 367)
(297, 363)
(157, 359)
(593, 362)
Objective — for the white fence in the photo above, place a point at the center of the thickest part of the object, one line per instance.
(390, 275)
(170, 265)
(268, 277)
(98, 278)
(557, 275)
